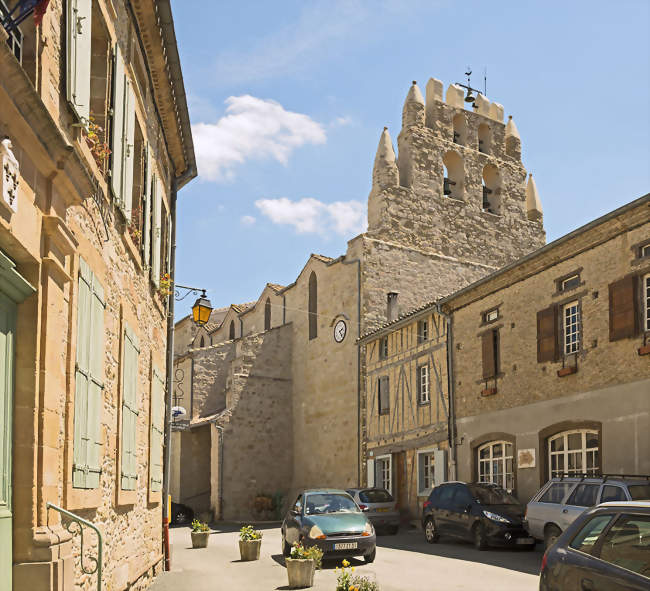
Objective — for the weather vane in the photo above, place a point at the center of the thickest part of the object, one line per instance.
(470, 98)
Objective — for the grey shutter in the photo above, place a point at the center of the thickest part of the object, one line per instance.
(146, 225)
(128, 149)
(155, 263)
(157, 426)
(78, 50)
(439, 466)
(370, 466)
(117, 141)
(129, 409)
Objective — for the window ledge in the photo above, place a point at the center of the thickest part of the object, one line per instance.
(427, 403)
(566, 371)
(488, 391)
(645, 350)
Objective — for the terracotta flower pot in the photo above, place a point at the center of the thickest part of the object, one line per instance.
(250, 550)
(200, 539)
(300, 572)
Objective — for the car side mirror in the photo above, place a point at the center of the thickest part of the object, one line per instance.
(365, 509)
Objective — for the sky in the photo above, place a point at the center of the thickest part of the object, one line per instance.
(288, 99)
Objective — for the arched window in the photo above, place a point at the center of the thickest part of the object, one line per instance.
(232, 330)
(574, 452)
(460, 129)
(491, 189)
(484, 138)
(453, 175)
(202, 343)
(495, 464)
(313, 306)
(267, 314)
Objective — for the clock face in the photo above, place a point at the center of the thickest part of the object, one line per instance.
(340, 330)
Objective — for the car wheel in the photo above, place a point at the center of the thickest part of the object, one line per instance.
(368, 558)
(286, 548)
(551, 534)
(181, 518)
(480, 540)
(430, 531)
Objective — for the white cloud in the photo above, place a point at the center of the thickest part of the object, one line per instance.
(252, 128)
(248, 220)
(310, 215)
(341, 121)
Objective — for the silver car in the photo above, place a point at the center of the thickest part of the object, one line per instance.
(379, 506)
(561, 500)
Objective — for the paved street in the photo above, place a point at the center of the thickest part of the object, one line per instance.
(404, 562)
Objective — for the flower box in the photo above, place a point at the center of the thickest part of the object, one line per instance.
(200, 539)
(300, 572)
(249, 550)
(566, 371)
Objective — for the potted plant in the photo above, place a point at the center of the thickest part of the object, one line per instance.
(346, 581)
(200, 533)
(250, 542)
(301, 565)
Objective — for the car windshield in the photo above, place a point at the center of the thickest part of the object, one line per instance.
(639, 492)
(375, 495)
(317, 504)
(492, 495)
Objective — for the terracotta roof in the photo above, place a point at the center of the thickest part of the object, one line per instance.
(276, 287)
(322, 257)
(239, 308)
(401, 317)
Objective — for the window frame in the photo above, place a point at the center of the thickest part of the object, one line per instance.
(381, 410)
(425, 491)
(502, 460)
(565, 453)
(383, 347)
(422, 331)
(386, 462)
(423, 387)
(571, 347)
(487, 313)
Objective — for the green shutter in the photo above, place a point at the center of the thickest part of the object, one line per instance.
(157, 204)
(129, 409)
(128, 152)
(117, 143)
(78, 45)
(157, 426)
(146, 226)
(89, 381)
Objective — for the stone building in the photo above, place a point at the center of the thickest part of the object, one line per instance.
(96, 143)
(550, 370)
(455, 205)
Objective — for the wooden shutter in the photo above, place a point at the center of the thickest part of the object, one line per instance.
(78, 51)
(370, 467)
(488, 347)
(117, 141)
(89, 382)
(157, 426)
(155, 237)
(623, 308)
(128, 150)
(129, 409)
(547, 335)
(146, 206)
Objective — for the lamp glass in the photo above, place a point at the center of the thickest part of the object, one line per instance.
(201, 311)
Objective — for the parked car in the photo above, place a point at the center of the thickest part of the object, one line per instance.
(379, 506)
(483, 513)
(559, 502)
(606, 547)
(331, 520)
(181, 514)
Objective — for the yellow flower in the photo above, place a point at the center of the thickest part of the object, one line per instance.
(352, 569)
(345, 563)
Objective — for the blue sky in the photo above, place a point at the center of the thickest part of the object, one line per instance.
(288, 100)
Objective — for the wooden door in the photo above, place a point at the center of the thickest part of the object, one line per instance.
(7, 329)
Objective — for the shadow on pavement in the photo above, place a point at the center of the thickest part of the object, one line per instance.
(513, 559)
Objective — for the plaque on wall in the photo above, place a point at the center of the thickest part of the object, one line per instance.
(526, 458)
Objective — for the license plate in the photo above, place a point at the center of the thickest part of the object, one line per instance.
(383, 510)
(346, 546)
(525, 540)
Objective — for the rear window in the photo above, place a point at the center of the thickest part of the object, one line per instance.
(556, 492)
(612, 493)
(639, 492)
(375, 496)
(584, 495)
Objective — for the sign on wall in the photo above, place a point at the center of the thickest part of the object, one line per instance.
(526, 458)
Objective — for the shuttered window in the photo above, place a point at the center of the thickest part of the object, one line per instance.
(156, 232)
(157, 425)
(122, 145)
(146, 205)
(129, 409)
(646, 303)
(490, 353)
(623, 308)
(547, 335)
(78, 54)
(383, 395)
(423, 383)
(89, 380)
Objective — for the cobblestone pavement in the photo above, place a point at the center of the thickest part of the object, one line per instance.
(404, 562)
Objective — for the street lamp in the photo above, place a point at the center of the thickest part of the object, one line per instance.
(201, 309)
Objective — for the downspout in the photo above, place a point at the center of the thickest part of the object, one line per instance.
(451, 420)
(220, 471)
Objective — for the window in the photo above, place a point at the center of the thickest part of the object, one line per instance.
(491, 189)
(267, 314)
(646, 302)
(157, 426)
(574, 452)
(383, 466)
(383, 347)
(129, 469)
(423, 383)
(495, 464)
(627, 544)
(644, 251)
(313, 306)
(423, 331)
(89, 380)
(231, 332)
(571, 324)
(15, 39)
(158, 220)
(490, 353)
(612, 493)
(484, 138)
(453, 175)
(491, 315)
(556, 492)
(569, 283)
(139, 191)
(425, 472)
(588, 535)
(392, 308)
(639, 492)
(383, 395)
(202, 343)
(584, 495)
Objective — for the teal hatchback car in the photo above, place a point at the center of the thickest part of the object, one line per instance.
(331, 520)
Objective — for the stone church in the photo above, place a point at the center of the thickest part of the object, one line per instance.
(272, 388)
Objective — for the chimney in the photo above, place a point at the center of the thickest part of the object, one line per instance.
(392, 307)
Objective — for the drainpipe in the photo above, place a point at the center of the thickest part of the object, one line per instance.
(451, 421)
(220, 471)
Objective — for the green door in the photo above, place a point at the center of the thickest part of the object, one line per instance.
(7, 328)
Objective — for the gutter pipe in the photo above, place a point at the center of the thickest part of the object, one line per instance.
(451, 420)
